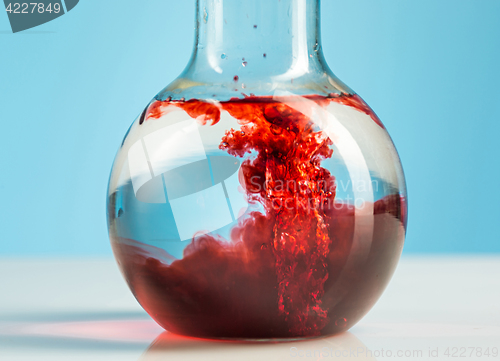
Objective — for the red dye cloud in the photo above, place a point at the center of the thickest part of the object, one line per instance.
(281, 274)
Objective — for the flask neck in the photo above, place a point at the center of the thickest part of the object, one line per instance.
(255, 47)
(257, 38)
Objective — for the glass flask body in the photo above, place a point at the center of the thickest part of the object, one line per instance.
(257, 196)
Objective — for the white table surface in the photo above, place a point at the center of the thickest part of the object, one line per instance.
(81, 309)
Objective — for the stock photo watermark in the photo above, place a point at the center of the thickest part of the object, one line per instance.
(364, 352)
(312, 195)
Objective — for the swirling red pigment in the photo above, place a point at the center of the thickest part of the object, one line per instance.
(281, 274)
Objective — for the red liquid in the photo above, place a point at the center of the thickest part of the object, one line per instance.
(285, 272)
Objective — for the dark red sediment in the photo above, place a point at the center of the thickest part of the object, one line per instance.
(282, 273)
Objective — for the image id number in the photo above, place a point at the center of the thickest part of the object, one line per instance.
(27, 8)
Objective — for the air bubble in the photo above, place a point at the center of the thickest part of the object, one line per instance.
(341, 322)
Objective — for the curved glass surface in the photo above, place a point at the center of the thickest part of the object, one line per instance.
(271, 210)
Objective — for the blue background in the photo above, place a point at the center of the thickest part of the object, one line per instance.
(69, 90)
